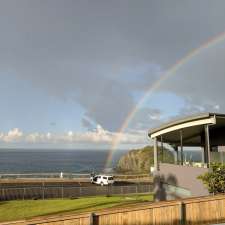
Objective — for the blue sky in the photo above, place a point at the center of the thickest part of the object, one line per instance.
(72, 71)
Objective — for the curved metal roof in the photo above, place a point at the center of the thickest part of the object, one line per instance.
(192, 126)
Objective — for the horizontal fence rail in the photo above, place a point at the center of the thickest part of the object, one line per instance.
(44, 192)
(67, 175)
(192, 211)
(44, 175)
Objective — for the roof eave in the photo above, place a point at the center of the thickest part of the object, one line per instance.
(184, 120)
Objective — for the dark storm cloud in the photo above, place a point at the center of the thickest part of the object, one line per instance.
(76, 49)
(201, 81)
(106, 101)
(116, 32)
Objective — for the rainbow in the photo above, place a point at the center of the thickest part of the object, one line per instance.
(169, 73)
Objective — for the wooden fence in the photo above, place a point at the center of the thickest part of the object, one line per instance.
(192, 211)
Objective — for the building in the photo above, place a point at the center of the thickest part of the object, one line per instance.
(204, 131)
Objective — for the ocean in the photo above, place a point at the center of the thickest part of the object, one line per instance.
(67, 161)
(54, 161)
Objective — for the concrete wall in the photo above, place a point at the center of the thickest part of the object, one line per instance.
(184, 177)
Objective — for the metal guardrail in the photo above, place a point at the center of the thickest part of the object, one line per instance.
(69, 192)
(64, 175)
(44, 175)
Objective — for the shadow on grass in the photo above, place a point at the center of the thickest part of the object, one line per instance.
(3, 203)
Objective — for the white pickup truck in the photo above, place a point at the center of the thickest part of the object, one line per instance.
(102, 179)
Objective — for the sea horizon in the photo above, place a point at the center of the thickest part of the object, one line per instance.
(14, 160)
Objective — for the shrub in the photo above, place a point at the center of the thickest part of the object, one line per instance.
(215, 178)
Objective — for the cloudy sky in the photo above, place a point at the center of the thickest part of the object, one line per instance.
(72, 71)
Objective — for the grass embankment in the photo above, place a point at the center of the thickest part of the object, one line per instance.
(25, 209)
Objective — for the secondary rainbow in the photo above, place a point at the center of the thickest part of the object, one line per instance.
(169, 73)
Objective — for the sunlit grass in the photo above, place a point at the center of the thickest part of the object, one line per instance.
(24, 209)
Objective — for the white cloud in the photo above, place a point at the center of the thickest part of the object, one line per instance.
(216, 107)
(97, 136)
(37, 138)
(13, 135)
(70, 133)
(48, 136)
(155, 117)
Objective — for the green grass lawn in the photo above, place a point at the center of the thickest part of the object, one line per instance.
(24, 209)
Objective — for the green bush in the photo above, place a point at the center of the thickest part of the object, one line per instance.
(215, 178)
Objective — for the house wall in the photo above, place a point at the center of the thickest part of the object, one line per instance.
(182, 179)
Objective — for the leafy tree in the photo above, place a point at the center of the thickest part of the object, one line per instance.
(215, 178)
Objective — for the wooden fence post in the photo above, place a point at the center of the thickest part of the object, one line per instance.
(182, 213)
(92, 219)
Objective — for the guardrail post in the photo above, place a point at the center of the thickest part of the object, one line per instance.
(182, 213)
